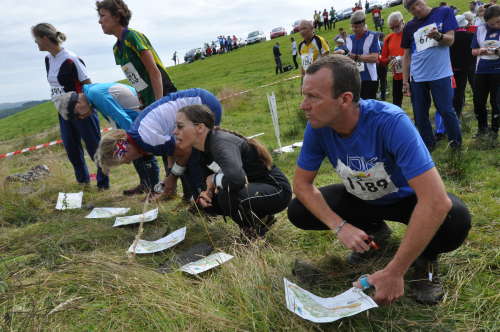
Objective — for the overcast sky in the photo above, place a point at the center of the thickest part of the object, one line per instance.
(170, 26)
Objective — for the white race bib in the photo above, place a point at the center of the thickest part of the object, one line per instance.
(133, 77)
(307, 60)
(371, 184)
(360, 66)
(56, 91)
(422, 41)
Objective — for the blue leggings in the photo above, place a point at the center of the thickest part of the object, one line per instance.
(72, 133)
(442, 95)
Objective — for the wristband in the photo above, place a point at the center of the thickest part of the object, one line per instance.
(177, 170)
(339, 227)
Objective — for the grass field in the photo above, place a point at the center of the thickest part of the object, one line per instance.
(52, 259)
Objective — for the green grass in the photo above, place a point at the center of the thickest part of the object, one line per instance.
(49, 258)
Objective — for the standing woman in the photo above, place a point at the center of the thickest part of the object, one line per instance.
(133, 52)
(66, 72)
(241, 180)
(392, 55)
(486, 46)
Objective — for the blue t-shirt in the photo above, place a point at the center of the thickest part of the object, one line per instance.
(153, 129)
(367, 44)
(487, 37)
(376, 161)
(432, 63)
(118, 103)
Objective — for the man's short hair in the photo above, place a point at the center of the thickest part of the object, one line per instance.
(408, 3)
(345, 74)
(358, 17)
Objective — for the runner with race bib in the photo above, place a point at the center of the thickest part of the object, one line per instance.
(387, 173)
(312, 47)
(133, 52)
(364, 48)
(66, 72)
(426, 42)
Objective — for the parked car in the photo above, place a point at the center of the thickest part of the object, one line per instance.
(278, 32)
(392, 3)
(295, 27)
(255, 37)
(344, 14)
(194, 54)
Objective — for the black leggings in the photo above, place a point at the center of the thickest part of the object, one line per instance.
(257, 200)
(485, 84)
(369, 89)
(368, 217)
(397, 92)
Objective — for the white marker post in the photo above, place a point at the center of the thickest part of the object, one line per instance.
(271, 100)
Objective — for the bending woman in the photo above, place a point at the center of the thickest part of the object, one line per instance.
(152, 134)
(66, 72)
(240, 178)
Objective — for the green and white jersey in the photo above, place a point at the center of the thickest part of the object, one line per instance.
(127, 51)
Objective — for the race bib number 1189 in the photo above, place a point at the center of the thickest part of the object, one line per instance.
(371, 184)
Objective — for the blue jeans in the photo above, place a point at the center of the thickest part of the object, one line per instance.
(148, 170)
(72, 133)
(442, 95)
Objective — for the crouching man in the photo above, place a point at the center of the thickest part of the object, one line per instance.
(387, 173)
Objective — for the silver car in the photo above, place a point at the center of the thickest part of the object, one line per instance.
(255, 37)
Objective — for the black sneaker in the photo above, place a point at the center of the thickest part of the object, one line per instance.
(259, 230)
(139, 189)
(481, 133)
(380, 237)
(425, 286)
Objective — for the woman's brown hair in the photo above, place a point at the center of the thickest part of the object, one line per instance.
(201, 114)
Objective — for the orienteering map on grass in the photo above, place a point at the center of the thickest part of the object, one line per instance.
(326, 310)
(206, 263)
(145, 217)
(67, 201)
(106, 212)
(149, 247)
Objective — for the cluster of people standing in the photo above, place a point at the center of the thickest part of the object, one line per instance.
(383, 160)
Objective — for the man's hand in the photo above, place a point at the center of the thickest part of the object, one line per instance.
(435, 34)
(353, 56)
(169, 186)
(205, 199)
(406, 89)
(353, 238)
(388, 286)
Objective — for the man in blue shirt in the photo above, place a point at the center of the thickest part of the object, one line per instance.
(387, 173)
(426, 41)
(119, 104)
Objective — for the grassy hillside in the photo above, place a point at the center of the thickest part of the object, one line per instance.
(52, 259)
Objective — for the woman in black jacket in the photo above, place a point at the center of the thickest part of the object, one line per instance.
(240, 178)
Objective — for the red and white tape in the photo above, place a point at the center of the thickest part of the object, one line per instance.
(41, 146)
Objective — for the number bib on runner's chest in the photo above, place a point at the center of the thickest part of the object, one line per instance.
(133, 77)
(307, 60)
(360, 66)
(368, 185)
(422, 41)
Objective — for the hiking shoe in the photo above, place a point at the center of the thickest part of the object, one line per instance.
(265, 224)
(480, 133)
(139, 189)
(381, 237)
(425, 286)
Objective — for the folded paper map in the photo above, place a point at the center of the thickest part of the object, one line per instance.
(326, 310)
(149, 247)
(145, 217)
(106, 212)
(67, 201)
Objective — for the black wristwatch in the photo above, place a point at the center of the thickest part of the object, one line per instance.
(441, 36)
